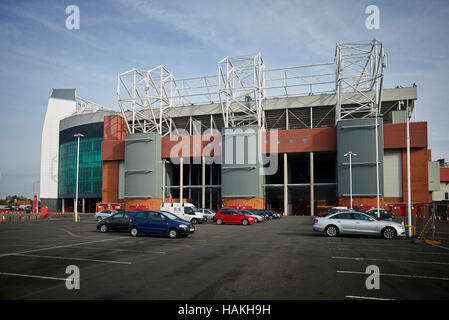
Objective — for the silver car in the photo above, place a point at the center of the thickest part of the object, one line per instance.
(104, 214)
(207, 213)
(353, 222)
(250, 214)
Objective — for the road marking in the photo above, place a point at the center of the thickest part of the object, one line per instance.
(366, 298)
(57, 247)
(442, 247)
(71, 233)
(395, 275)
(390, 251)
(71, 258)
(391, 260)
(124, 250)
(408, 244)
(30, 276)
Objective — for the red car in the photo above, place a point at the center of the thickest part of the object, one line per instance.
(231, 216)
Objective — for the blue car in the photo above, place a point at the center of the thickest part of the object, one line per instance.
(159, 223)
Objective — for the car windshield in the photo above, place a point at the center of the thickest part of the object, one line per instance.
(246, 212)
(171, 216)
(190, 210)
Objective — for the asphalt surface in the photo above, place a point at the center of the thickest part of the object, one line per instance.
(279, 259)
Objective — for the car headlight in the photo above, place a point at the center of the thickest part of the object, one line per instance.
(183, 226)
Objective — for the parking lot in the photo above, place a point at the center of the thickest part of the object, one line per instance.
(277, 259)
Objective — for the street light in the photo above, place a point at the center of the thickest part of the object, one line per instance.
(350, 154)
(78, 135)
(409, 182)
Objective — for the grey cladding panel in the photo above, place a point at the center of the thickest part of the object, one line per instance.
(66, 94)
(143, 168)
(240, 169)
(358, 136)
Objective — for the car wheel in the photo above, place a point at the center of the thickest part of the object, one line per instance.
(389, 233)
(173, 233)
(331, 231)
(99, 219)
(134, 232)
(194, 221)
(245, 222)
(104, 228)
(219, 221)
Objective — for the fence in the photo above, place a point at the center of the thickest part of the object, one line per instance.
(430, 220)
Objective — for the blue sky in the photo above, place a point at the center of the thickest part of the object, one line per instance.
(37, 53)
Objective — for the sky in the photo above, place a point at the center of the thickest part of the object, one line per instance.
(38, 53)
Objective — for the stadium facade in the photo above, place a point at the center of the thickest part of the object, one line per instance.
(248, 136)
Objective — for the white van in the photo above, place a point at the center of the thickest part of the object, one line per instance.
(185, 211)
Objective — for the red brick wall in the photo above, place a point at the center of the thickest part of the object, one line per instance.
(254, 203)
(112, 151)
(418, 174)
(395, 135)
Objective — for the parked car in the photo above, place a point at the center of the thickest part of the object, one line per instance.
(272, 214)
(104, 214)
(207, 213)
(159, 223)
(384, 214)
(258, 217)
(353, 222)
(259, 212)
(118, 221)
(185, 211)
(233, 216)
(276, 215)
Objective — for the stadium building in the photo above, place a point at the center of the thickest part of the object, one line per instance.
(294, 139)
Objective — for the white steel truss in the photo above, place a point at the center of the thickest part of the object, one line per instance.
(359, 69)
(147, 94)
(241, 87)
(86, 106)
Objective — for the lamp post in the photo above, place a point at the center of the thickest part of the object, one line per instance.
(409, 182)
(78, 136)
(350, 154)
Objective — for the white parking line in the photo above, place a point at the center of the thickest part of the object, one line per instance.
(30, 276)
(442, 247)
(123, 250)
(385, 244)
(71, 258)
(395, 275)
(57, 247)
(390, 251)
(366, 298)
(391, 260)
